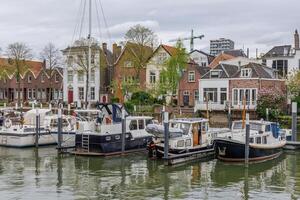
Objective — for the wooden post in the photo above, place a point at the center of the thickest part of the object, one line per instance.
(59, 129)
(69, 109)
(229, 116)
(166, 134)
(244, 112)
(37, 127)
(247, 140)
(123, 130)
(294, 121)
(267, 114)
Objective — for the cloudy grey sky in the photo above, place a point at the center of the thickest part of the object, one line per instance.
(250, 23)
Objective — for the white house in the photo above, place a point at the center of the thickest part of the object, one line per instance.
(285, 58)
(201, 58)
(74, 82)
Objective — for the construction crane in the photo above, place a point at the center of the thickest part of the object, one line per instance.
(189, 38)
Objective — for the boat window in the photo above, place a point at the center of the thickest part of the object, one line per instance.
(268, 128)
(117, 137)
(264, 139)
(133, 125)
(127, 136)
(107, 138)
(149, 121)
(185, 128)
(203, 127)
(258, 140)
(255, 126)
(180, 143)
(188, 142)
(141, 124)
(251, 140)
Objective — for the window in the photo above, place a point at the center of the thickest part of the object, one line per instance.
(245, 72)
(223, 95)
(253, 98)
(93, 76)
(149, 121)
(235, 97)
(180, 143)
(264, 139)
(251, 140)
(39, 94)
(210, 94)
(128, 64)
(117, 137)
(241, 97)
(43, 78)
(214, 74)
(70, 76)
(188, 142)
(56, 77)
(141, 124)
(92, 59)
(80, 77)
(92, 93)
(203, 64)
(258, 140)
(247, 96)
(152, 77)
(29, 79)
(196, 95)
(81, 93)
(133, 125)
(161, 58)
(70, 60)
(191, 77)
(33, 94)
(281, 66)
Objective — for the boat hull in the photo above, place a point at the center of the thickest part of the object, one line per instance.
(99, 144)
(21, 140)
(234, 151)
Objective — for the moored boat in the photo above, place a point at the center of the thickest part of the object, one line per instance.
(189, 139)
(265, 142)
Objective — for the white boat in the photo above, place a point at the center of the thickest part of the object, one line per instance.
(265, 142)
(69, 128)
(22, 133)
(189, 139)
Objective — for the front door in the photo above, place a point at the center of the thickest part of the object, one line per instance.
(186, 100)
(70, 96)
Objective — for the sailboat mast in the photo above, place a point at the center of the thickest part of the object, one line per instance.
(90, 51)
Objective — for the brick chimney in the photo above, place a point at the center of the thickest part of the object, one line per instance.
(104, 46)
(116, 51)
(296, 38)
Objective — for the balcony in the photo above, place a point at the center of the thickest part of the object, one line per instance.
(212, 106)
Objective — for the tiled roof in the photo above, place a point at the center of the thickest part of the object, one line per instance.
(220, 57)
(226, 71)
(34, 66)
(171, 50)
(258, 71)
(235, 53)
(283, 50)
(210, 57)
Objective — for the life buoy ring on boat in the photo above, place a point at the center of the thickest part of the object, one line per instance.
(108, 120)
(7, 123)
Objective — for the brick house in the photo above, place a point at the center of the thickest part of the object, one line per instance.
(36, 82)
(188, 88)
(127, 68)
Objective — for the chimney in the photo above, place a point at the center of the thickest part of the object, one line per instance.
(296, 38)
(104, 46)
(247, 52)
(44, 64)
(116, 51)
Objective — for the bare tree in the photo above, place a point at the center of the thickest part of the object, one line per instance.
(52, 56)
(18, 53)
(144, 38)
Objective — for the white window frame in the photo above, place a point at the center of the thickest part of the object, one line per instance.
(246, 72)
(152, 77)
(81, 93)
(70, 77)
(191, 76)
(92, 89)
(252, 99)
(93, 75)
(29, 79)
(80, 76)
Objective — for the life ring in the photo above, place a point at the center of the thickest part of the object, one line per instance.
(7, 123)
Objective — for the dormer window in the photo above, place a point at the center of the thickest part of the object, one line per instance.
(214, 74)
(128, 64)
(29, 79)
(162, 57)
(245, 72)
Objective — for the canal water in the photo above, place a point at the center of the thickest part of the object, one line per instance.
(42, 174)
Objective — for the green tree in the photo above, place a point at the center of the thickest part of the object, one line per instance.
(18, 53)
(172, 71)
(294, 86)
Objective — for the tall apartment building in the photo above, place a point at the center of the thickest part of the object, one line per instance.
(222, 44)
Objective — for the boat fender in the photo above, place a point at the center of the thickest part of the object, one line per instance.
(7, 123)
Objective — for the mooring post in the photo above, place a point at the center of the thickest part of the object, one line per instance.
(59, 129)
(247, 140)
(16, 106)
(123, 130)
(267, 114)
(4, 105)
(37, 127)
(50, 106)
(229, 116)
(294, 121)
(69, 109)
(166, 134)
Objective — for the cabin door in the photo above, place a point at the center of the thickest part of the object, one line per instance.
(196, 135)
(70, 96)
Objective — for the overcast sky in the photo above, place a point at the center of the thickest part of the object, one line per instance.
(250, 23)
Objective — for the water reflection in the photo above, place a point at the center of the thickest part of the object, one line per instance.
(30, 173)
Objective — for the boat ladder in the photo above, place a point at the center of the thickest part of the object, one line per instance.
(85, 143)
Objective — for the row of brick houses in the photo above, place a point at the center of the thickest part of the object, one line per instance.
(36, 82)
